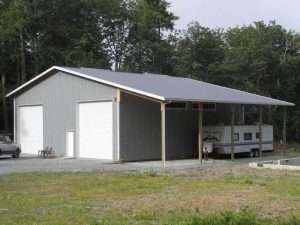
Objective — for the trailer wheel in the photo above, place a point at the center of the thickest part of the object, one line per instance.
(253, 153)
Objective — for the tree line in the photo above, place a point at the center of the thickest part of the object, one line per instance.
(139, 36)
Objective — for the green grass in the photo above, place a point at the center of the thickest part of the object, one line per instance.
(221, 197)
(294, 150)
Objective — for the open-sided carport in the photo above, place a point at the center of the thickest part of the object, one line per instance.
(121, 116)
(200, 93)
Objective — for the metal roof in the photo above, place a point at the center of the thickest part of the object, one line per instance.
(163, 87)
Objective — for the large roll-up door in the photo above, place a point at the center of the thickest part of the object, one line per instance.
(96, 130)
(30, 128)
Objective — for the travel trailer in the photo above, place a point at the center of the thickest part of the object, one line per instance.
(246, 139)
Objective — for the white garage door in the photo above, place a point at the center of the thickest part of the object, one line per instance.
(30, 128)
(96, 130)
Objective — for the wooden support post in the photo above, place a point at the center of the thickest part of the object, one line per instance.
(200, 132)
(260, 129)
(284, 142)
(118, 100)
(163, 133)
(242, 115)
(118, 95)
(232, 130)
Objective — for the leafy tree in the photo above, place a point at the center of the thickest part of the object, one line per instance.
(36, 34)
(114, 24)
(147, 44)
(264, 59)
(199, 50)
(138, 36)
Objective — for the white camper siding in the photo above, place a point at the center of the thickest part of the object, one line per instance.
(60, 95)
(241, 145)
(267, 134)
(215, 131)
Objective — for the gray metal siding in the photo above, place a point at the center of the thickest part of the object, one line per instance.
(60, 94)
(181, 134)
(140, 131)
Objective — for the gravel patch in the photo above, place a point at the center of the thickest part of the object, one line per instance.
(33, 164)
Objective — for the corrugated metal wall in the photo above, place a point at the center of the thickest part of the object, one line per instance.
(181, 134)
(60, 94)
(140, 130)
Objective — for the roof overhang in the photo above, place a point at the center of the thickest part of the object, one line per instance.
(133, 90)
(230, 102)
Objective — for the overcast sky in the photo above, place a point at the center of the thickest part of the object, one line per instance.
(229, 13)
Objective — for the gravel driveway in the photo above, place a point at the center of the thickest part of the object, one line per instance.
(33, 164)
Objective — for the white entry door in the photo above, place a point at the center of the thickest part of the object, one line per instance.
(70, 144)
(96, 130)
(30, 129)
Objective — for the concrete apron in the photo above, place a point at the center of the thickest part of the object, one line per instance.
(175, 164)
(281, 164)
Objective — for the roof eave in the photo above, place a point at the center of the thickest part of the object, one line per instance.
(280, 103)
(14, 92)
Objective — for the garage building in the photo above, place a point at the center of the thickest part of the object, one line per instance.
(94, 113)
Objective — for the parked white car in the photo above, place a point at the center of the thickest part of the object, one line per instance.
(7, 147)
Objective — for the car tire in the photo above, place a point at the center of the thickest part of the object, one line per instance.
(15, 156)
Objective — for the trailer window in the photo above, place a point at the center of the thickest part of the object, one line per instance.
(247, 136)
(236, 136)
(257, 135)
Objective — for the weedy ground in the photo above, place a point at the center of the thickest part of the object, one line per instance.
(237, 193)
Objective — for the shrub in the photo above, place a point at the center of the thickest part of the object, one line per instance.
(244, 217)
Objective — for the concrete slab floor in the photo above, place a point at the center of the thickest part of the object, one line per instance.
(180, 164)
